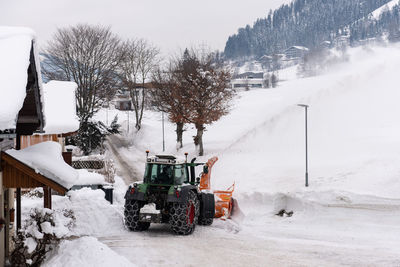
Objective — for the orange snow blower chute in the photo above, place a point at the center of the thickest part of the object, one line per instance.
(224, 203)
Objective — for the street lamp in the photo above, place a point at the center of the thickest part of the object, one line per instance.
(163, 138)
(306, 110)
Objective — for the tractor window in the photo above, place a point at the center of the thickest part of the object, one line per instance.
(158, 174)
(180, 174)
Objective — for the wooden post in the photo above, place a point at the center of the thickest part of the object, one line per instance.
(47, 197)
(18, 208)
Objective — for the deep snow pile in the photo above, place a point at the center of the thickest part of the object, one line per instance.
(94, 215)
(86, 251)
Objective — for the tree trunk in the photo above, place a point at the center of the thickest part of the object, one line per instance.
(179, 135)
(198, 139)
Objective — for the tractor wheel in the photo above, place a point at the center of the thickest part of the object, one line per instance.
(183, 216)
(206, 221)
(131, 212)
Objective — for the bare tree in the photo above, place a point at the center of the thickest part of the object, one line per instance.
(207, 89)
(140, 58)
(87, 55)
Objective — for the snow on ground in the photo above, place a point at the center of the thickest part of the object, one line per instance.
(349, 213)
(287, 74)
(75, 253)
(353, 144)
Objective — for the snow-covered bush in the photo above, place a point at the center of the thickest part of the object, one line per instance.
(91, 135)
(41, 232)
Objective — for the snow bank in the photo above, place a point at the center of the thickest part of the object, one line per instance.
(86, 251)
(60, 107)
(15, 48)
(94, 215)
(46, 158)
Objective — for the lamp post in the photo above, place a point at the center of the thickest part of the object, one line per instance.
(163, 138)
(306, 126)
(128, 121)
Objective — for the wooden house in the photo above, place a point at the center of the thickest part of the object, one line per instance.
(21, 114)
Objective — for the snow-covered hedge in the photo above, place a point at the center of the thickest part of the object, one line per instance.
(41, 232)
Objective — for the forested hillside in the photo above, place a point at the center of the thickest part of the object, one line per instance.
(310, 22)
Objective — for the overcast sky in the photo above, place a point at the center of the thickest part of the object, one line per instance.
(168, 24)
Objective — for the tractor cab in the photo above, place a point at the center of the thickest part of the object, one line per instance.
(166, 170)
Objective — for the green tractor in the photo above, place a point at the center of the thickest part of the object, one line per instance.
(170, 193)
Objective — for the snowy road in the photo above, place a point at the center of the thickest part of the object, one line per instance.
(314, 236)
(125, 169)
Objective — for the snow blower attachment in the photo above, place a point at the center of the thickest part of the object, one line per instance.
(171, 193)
(224, 203)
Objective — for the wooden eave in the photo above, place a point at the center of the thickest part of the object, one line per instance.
(18, 175)
(30, 117)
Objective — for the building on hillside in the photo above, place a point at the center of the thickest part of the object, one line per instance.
(22, 113)
(342, 41)
(325, 45)
(123, 100)
(248, 80)
(296, 52)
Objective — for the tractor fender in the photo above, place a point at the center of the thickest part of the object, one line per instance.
(183, 194)
(207, 205)
(136, 195)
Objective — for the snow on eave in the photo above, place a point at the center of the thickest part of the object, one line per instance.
(16, 44)
(46, 158)
(60, 107)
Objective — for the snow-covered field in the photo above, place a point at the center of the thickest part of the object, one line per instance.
(349, 215)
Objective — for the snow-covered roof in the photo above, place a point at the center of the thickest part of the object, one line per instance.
(46, 158)
(60, 107)
(386, 7)
(298, 47)
(15, 48)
